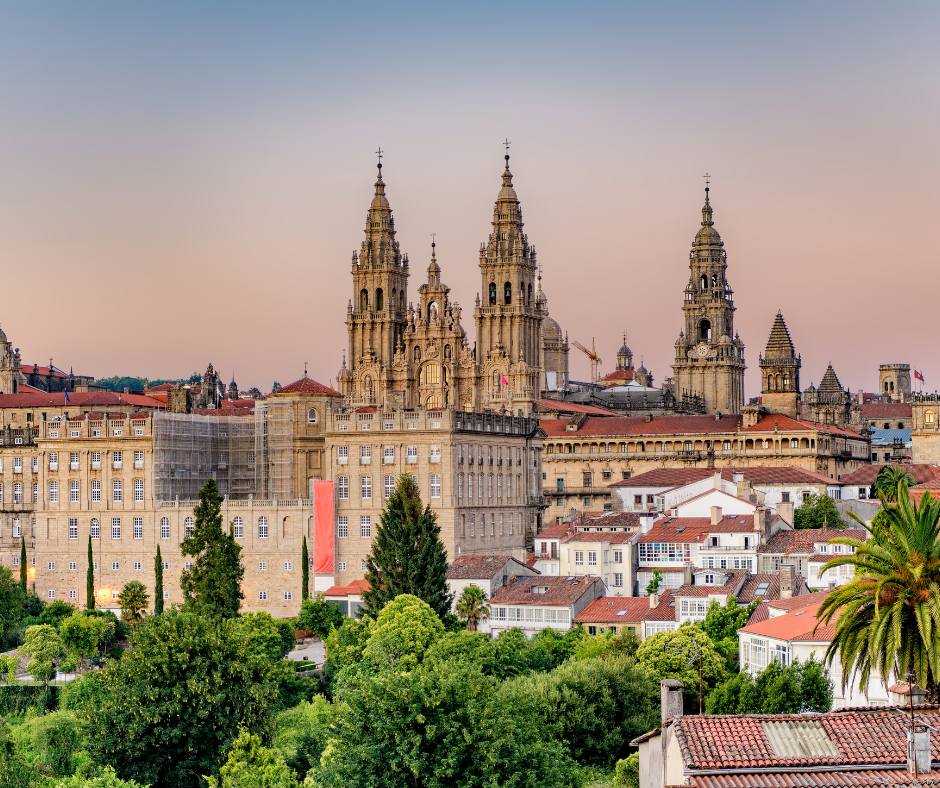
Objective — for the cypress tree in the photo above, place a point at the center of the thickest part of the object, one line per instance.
(158, 583)
(213, 585)
(23, 563)
(408, 556)
(304, 572)
(90, 579)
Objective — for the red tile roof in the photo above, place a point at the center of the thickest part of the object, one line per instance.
(612, 520)
(799, 624)
(77, 399)
(556, 531)
(827, 779)
(776, 422)
(355, 588)
(307, 386)
(870, 736)
(803, 541)
(626, 426)
(478, 567)
(560, 406)
(867, 474)
(678, 477)
(617, 375)
(621, 537)
(161, 387)
(886, 410)
(33, 369)
(561, 590)
(734, 578)
(605, 609)
(664, 611)
(695, 529)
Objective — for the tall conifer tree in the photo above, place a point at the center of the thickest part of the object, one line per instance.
(304, 572)
(23, 563)
(90, 579)
(158, 583)
(213, 585)
(408, 556)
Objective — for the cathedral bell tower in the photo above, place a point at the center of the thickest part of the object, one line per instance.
(780, 372)
(709, 362)
(377, 314)
(509, 318)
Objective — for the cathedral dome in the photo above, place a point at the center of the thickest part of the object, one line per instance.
(707, 235)
(540, 298)
(507, 192)
(624, 351)
(380, 201)
(551, 331)
(724, 340)
(3, 336)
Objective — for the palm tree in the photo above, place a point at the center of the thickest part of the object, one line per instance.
(473, 607)
(888, 616)
(134, 600)
(887, 481)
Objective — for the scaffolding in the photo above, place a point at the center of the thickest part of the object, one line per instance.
(248, 456)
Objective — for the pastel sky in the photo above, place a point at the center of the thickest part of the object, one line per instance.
(185, 182)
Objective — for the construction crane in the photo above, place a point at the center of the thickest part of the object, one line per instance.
(591, 354)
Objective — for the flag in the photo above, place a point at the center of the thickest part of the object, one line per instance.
(918, 376)
(67, 400)
(503, 381)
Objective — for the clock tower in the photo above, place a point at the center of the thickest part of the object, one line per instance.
(709, 355)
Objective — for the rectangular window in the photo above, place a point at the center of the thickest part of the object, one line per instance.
(117, 459)
(480, 487)
(73, 491)
(138, 489)
(138, 527)
(262, 566)
(35, 465)
(73, 460)
(166, 565)
(342, 526)
(366, 486)
(17, 465)
(472, 525)
(51, 565)
(51, 594)
(138, 566)
(342, 486)
(115, 566)
(618, 580)
(389, 486)
(365, 526)
(73, 528)
(262, 527)
(116, 491)
(510, 523)
(16, 528)
(73, 566)
(342, 455)
(53, 491)
(365, 455)
(618, 556)
(53, 461)
(578, 558)
(341, 566)
(587, 479)
(388, 454)
(559, 485)
(435, 486)
(17, 493)
(411, 455)
(435, 454)
(35, 492)
(287, 566)
(115, 527)
(785, 497)
(165, 528)
(592, 558)
(96, 491)
(238, 528)
(262, 595)
(288, 596)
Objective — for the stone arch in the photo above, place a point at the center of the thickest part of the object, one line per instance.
(379, 299)
(507, 293)
(492, 293)
(363, 300)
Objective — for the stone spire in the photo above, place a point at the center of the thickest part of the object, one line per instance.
(830, 383)
(434, 270)
(780, 372)
(779, 345)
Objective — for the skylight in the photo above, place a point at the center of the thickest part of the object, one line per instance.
(761, 589)
(621, 612)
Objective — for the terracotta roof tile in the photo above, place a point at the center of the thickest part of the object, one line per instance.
(664, 611)
(678, 477)
(795, 603)
(856, 777)
(307, 386)
(886, 410)
(695, 529)
(627, 426)
(355, 588)
(867, 474)
(77, 399)
(556, 531)
(561, 591)
(478, 567)
(803, 541)
(605, 610)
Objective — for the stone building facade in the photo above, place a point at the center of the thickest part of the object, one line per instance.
(780, 372)
(709, 354)
(925, 436)
(830, 403)
(402, 356)
(480, 473)
(894, 382)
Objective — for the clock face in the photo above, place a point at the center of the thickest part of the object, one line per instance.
(702, 350)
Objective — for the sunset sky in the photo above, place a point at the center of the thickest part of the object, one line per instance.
(184, 183)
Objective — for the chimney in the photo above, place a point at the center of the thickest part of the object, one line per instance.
(918, 748)
(785, 512)
(716, 515)
(716, 480)
(762, 523)
(654, 600)
(787, 581)
(670, 694)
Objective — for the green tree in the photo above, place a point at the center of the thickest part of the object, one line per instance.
(90, 579)
(627, 773)
(158, 583)
(404, 630)
(670, 655)
(888, 616)
(8, 665)
(652, 587)
(304, 572)
(302, 734)
(472, 607)
(15, 770)
(319, 616)
(885, 486)
(346, 643)
(176, 701)
(83, 634)
(213, 585)
(408, 556)
(596, 706)
(262, 636)
(252, 765)
(817, 511)
(794, 689)
(133, 600)
(44, 647)
(722, 623)
(437, 728)
(56, 612)
(105, 778)
(57, 740)
(12, 600)
(23, 563)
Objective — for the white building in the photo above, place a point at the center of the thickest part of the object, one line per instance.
(488, 572)
(808, 550)
(536, 603)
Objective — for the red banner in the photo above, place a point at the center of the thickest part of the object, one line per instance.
(323, 531)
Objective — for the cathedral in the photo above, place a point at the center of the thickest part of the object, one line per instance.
(709, 354)
(408, 355)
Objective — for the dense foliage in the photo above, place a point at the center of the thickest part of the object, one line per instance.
(472, 607)
(677, 654)
(319, 616)
(213, 585)
(408, 556)
(722, 623)
(817, 511)
(794, 689)
(886, 483)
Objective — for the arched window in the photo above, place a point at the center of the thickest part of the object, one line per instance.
(892, 385)
(492, 293)
(393, 301)
(900, 425)
(262, 527)
(704, 282)
(786, 382)
(714, 280)
(433, 403)
(507, 293)
(363, 300)
(379, 300)
(705, 331)
(417, 354)
(529, 299)
(432, 374)
(312, 416)
(401, 301)
(887, 426)
(886, 385)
